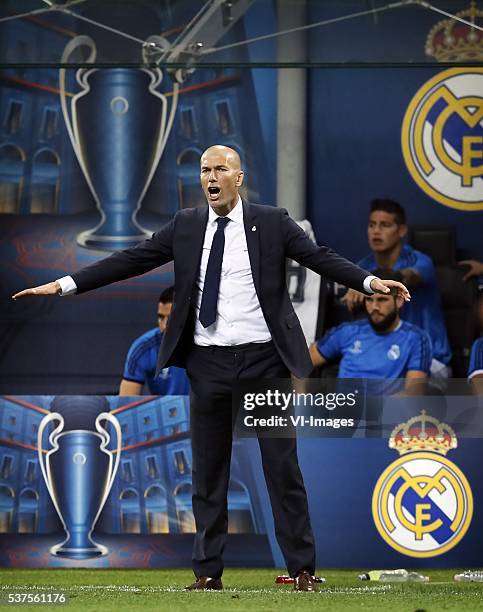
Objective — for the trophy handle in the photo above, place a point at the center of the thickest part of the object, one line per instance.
(75, 43)
(166, 121)
(53, 416)
(107, 416)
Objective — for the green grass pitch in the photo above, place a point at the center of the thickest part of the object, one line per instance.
(245, 589)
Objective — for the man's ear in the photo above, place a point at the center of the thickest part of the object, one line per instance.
(403, 230)
(239, 178)
(399, 302)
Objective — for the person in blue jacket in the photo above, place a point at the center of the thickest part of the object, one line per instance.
(475, 369)
(381, 347)
(140, 366)
(386, 232)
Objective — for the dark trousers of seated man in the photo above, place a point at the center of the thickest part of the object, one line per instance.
(212, 371)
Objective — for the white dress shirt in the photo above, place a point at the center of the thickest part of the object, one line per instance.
(239, 314)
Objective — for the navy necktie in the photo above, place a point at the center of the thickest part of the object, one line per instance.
(211, 287)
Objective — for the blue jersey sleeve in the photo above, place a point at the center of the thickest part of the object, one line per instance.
(330, 345)
(421, 353)
(135, 366)
(423, 265)
(476, 359)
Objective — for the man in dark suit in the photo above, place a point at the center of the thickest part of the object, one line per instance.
(232, 319)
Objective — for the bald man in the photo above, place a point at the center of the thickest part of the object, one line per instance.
(232, 319)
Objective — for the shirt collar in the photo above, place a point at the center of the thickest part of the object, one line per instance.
(235, 215)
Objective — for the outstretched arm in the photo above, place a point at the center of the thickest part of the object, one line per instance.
(325, 261)
(142, 258)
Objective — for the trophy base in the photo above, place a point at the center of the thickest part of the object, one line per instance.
(90, 240)
(90, 552)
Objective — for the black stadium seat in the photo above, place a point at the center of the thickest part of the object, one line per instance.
(437, 241)
(459, 297)
(459, 300)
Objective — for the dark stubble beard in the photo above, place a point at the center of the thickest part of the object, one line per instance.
(384, 324)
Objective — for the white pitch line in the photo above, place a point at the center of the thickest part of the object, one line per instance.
(369, 590)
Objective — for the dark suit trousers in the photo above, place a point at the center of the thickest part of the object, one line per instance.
(212, 371)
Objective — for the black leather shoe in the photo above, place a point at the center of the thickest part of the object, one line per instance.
(305, 582)
(205, 583)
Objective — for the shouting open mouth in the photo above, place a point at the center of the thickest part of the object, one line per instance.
(214, 193)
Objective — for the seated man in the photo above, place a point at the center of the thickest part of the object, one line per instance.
(140, 365)
(378, 347)
(475, 370)
(386, 231)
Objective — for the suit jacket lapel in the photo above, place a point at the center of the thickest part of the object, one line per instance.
(195, 239)
(252, 233)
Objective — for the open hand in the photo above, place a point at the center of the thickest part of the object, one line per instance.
(48, 289)
(384, 286)
(352, 299)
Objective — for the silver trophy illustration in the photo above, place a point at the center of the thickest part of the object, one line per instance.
(118, 124)
(79, 471)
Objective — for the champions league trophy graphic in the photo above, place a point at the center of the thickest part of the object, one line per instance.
(79, 472)
(118, 125)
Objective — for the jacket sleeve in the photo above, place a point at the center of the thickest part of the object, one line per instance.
(149, 254)
(320, 259)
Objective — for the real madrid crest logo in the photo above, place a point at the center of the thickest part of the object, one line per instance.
(422, 504)
(442, 138)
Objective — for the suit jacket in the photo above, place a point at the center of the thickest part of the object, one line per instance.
(276, 238)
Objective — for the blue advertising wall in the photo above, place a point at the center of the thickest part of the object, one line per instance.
(356, 118)
(148, 519)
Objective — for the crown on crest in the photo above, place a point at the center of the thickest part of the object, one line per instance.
(423, 433)
(452, 41)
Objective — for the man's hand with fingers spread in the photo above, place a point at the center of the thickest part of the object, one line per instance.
(48, 289)
(384, 286)
(352, 299)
